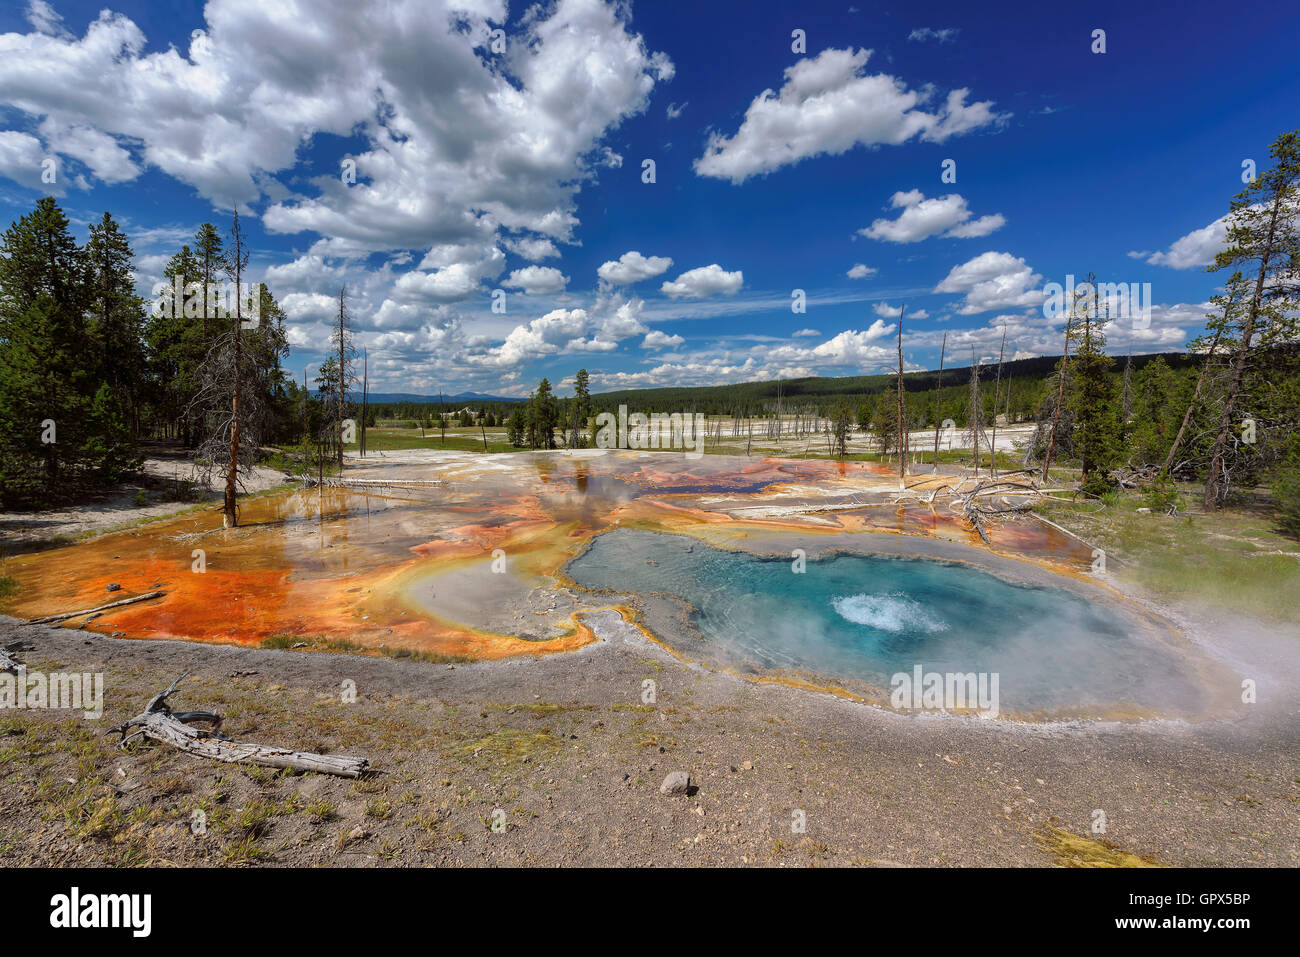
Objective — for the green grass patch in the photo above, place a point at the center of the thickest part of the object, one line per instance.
(285, 641)
(431, 657)
(506, 749)
(1235, 558)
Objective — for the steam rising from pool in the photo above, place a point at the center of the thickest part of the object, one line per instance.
(869, 617)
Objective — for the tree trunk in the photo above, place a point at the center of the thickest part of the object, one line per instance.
(997, 389)
(902, 435)
(1213, 481)
(1191, 406)
(938, 391)
(230, 513)
(1060, 396)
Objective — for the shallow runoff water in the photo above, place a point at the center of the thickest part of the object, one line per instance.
(869, 617)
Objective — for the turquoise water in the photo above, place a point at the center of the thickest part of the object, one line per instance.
(868, 617)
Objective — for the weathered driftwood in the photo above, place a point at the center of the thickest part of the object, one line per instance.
(90, 611)
(160, 723)
(8, 663)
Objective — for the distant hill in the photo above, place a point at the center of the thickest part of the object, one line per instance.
(382, 398)
(1022, 374)
(821, 390)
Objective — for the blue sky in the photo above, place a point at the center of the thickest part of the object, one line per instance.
(521, 170)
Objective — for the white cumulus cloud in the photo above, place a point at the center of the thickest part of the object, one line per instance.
(661, 340)
(922, 218)
(828, 105)
(633, 267)
(993, 280)
(537, 280)
(703, 282)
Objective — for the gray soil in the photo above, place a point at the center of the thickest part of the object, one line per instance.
(565, 756)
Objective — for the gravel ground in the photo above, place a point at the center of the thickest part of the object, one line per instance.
(566, 758)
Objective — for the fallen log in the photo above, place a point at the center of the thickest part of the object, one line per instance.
(90, 611)
(159, 723)
(8, 663)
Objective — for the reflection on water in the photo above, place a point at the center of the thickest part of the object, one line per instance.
(867, 617)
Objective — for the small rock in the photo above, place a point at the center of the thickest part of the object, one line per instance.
(677, 782)
(114, 587)
(748, 765)
(358, 833)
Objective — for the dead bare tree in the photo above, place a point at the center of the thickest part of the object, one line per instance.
(938, 388)
(1060, 393)
(997, 388)
(228, 392)
(1126, 392)
(341, 340)
(902, 423)
(365, 398)
(975, 414)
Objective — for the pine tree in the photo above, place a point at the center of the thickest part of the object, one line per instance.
(841, 425)
(41, 261)
(581, 410)
(1264, 231)
(117, 316)
(1092, 397)
(884, 421)
(175, 352)
(209, 253)
(1159, 397)
(343, 348)
(48, 370)
(543, 417)
(517, 428)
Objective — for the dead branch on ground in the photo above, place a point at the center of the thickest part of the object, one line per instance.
(64, 616)
(159, 723)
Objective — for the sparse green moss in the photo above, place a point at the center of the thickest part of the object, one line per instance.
(1071, 850)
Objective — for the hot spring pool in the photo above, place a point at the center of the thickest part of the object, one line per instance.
(864, 618)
